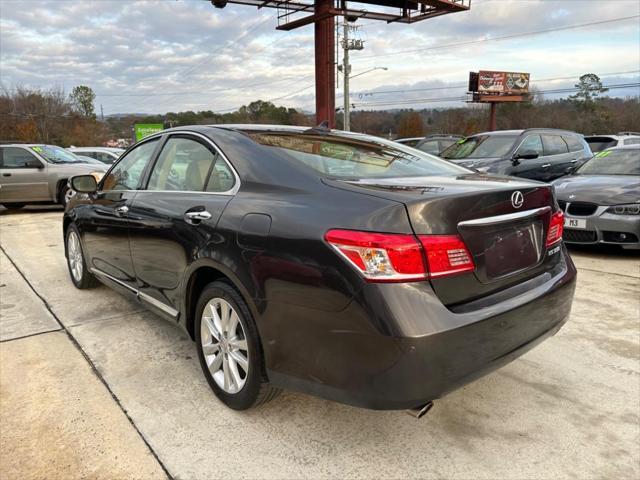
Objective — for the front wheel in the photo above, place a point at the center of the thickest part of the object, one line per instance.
(80, 275)
(65, 196)
(229, 348)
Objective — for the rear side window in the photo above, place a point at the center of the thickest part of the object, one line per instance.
(126, 174)
(554, 145)
(15, 157)
(574, 143)
(598, 144)
(185, 164)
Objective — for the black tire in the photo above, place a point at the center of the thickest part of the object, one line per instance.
(86, 279)
(13, 206)
(62, 195)
(256, 389)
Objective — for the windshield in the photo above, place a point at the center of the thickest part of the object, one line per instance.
(56, 154)
(481, 146)
(355, 156)
(613, 162)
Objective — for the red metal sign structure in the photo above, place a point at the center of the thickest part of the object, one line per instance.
(298, 13)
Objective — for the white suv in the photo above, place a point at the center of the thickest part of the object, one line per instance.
(597, 143)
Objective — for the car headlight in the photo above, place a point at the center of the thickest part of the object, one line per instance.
(630, 209)
(98, 176)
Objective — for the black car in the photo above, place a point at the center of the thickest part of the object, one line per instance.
(332, 263)
(538, 154)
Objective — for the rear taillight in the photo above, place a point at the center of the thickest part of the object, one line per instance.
(556, 226)
(383, 257)
(389, 257)
(446, 255)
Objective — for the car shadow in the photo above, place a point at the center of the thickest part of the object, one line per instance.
(31, 209)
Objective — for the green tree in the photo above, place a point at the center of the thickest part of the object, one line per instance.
(81, 99)
(589, 87)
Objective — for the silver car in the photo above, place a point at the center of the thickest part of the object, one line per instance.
(106, 155)
(601, 199)
(37, 173)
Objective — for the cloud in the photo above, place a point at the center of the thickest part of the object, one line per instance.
(157, 56)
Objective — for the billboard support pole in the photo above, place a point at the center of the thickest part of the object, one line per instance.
(325, 63)
(492, 117)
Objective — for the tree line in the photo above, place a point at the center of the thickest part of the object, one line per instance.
(51, 116)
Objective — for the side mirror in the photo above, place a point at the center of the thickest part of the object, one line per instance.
(84, 183)
(34, 164)
(526, 155)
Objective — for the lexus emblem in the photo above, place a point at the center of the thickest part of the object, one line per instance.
(517, 199)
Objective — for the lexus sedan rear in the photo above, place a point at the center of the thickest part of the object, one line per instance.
(336, 264)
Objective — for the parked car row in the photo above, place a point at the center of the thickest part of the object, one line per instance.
(599, 194)
(38, 173)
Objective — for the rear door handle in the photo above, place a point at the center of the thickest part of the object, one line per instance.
(197, 216)
(546, 165)
(123, 210)
(6, 174)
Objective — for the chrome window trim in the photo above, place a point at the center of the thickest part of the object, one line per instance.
(504, 218)
(232, 191)
(142, 296)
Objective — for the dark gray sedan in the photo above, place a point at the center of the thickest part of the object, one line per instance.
(601, 199)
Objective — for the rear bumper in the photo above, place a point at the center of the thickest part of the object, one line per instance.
(427, 349)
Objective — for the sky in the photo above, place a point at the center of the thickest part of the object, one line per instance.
(154, 56)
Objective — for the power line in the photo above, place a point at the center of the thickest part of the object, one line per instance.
(428, 89)
(461, 98)
(504, 37)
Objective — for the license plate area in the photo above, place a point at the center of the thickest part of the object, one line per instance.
(578, 223)
(505, 249)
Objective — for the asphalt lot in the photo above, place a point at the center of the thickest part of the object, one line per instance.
(93, 386)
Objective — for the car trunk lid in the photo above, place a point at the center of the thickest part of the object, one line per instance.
(502, 220)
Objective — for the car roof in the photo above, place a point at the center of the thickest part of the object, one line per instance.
(27, 145)
(528, 130)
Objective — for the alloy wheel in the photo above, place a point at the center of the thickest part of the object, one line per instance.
(224, 345)
(74, 253)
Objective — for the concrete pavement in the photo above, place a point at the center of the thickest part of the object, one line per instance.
(567, 409)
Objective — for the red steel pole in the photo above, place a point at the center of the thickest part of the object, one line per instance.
(325, 64)
(492, 117)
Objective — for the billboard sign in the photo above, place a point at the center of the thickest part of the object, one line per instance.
(500, 83)
(145, 129)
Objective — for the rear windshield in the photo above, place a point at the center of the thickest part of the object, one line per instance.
(613, 162)
(355, 156)
(597, 144)
(480, 146)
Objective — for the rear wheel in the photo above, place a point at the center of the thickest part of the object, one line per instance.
(13, 206)
(229, 348)
(80, 275)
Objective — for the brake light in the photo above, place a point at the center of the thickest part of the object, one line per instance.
(390, 257)
(382, 257)
(556, 226)
(446, 255)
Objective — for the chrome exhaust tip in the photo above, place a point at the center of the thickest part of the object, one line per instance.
(420, 411)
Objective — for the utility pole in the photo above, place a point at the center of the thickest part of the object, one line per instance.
(346, 71)
(101, 113)
(345, 68)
